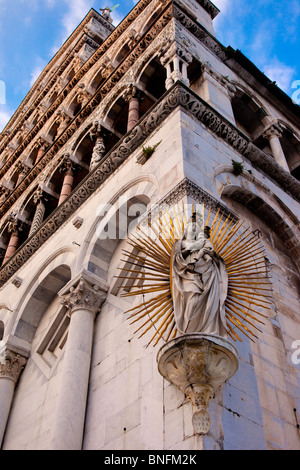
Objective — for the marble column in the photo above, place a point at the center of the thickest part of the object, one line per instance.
(176, 60)
(68, 168)
(134, 109)
(83, 297)
(42, 147)
(273, 135)
(38, 218)
(13, 244)
(11, 365)
(22, 170)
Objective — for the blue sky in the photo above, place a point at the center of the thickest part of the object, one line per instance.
(31, 31)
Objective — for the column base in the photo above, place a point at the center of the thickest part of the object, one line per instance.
(198, 365)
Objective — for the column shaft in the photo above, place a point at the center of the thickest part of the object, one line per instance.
(83, 298)
(12, 246)
(11, 365)
(38, 218)
(133, 113)
(40, 154)
(278, 152)
(70, 413)
(7, 387)
(66, 187)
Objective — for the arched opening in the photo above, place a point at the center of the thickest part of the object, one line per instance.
(122, 53)
(291, 149)
(194, 73)
(30, 206)
(153, 81)
(113, 227)
(250, 117)
(75, 106)
(283, 237)
(40, 300)
(52, 133)
(117, 117)
(96, 81)
(85, 147)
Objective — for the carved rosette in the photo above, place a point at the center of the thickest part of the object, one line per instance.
(198, 365)
(84, 296)
(11, 365)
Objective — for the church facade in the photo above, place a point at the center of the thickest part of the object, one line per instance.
(122, 122)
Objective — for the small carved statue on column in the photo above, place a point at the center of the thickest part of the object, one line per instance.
(99, 147)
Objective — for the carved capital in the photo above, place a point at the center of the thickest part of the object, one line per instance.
(15, 225)
(67, 165)
(84, 295)
(41, 143)
(11, 365)
(39, 196)
(274, 131)
(131, 92)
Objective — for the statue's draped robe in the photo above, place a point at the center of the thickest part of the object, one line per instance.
(199, 289)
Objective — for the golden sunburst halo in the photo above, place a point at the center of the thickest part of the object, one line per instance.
(149, 260)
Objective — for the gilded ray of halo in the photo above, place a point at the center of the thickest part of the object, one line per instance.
(249, 285)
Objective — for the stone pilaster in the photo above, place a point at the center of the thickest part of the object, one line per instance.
(83, 297)
(11, 366)
(273, 134)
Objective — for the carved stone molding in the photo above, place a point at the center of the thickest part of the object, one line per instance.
(11, 365)
(187, 188)
(193, 105)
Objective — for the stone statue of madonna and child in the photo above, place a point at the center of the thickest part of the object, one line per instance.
(199, 282)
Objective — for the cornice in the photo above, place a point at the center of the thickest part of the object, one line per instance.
(177, 96)
(209, 7)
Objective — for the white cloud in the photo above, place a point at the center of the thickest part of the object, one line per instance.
(281, 73)
(77, 11)
(35, 74)
(5, 116)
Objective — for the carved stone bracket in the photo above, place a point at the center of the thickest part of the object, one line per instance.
(198, 365)
(11, 365)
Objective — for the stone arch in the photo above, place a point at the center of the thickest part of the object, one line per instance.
(98, 250)
(250, 114)
(5, 318)
(152, 18)
(247, 191)
(41, 291)
(290, 142)
(151, 77)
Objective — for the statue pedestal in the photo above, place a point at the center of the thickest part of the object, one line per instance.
(198, 364)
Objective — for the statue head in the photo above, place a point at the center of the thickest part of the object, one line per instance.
(207, 231)
(194, 227)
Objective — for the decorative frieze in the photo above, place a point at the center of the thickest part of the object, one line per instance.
(192, 104)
